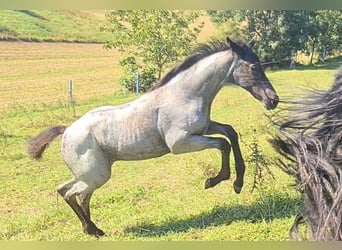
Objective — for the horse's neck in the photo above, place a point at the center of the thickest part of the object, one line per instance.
(205, 78)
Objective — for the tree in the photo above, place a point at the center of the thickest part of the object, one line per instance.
(263, 24)
(280, 32)
(329, 30)
(155, 38)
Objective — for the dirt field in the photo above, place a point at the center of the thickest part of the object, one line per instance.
(38, 73)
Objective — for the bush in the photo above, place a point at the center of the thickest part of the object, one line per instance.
(130, 67)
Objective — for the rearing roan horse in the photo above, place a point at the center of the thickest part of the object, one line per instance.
(174, 116)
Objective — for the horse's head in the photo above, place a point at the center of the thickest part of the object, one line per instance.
(248, 73)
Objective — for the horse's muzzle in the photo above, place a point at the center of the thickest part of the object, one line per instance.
(272, 99)
(272, 103)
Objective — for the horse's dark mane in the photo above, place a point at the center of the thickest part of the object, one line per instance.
(311, 138)
(317, 107)
(202, 51)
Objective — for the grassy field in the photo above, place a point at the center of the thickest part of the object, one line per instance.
(82, 26)
(38, 73)
(158, 199)
(52, 25)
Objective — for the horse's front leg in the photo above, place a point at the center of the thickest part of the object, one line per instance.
(228, 131)
(187, 144)
(224, 173)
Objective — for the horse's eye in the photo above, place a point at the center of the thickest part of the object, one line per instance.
(253, 67)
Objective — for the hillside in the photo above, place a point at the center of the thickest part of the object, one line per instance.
(47, 26)
(64, 26)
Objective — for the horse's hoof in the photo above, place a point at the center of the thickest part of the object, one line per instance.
(208, 184)
(237, 188)
(99, 233)
(94, 231)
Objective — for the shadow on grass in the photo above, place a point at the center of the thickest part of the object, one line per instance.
(32, 14)
(273, 207)
(332, 63)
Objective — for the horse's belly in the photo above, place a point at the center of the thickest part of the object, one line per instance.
(139, 147)
(141, 151)
(141, 154)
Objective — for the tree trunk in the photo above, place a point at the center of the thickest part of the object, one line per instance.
(312, 50)
(159, 73)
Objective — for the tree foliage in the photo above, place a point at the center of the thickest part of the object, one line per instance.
(155, 38)
(129, 77)
(281, 31)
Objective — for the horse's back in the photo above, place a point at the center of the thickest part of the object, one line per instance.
(125, 132)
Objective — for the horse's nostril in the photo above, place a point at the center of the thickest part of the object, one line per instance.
(272, 103)
(275, 102)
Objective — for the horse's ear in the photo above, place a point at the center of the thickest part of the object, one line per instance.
(251, 43)
(228, 40)
(234, 46)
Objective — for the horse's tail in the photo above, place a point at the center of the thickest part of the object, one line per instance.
(37, 145)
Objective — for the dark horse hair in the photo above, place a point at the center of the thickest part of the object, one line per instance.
(310, 138)
(37, 145)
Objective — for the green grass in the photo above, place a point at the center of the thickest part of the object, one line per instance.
(65, 26)
(57, 26)
(157, 199)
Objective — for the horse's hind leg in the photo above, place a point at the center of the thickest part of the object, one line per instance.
(77, 197)
(228, 131)
(85, 203)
